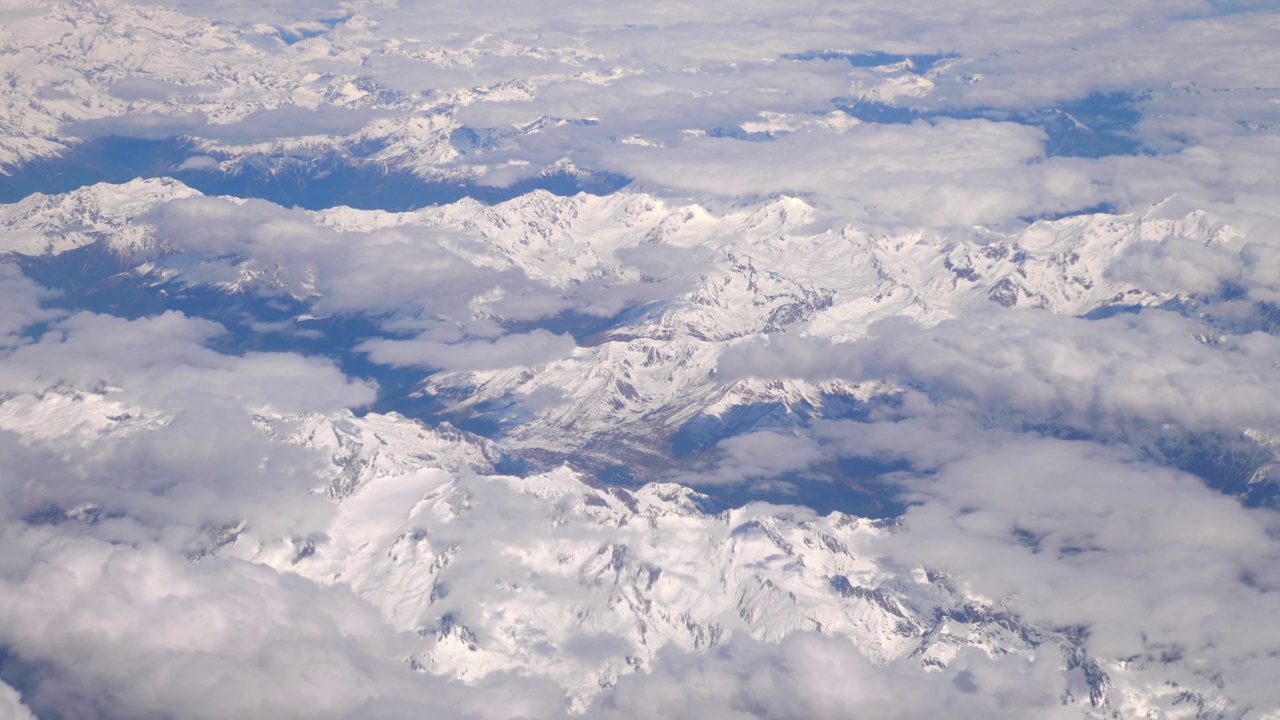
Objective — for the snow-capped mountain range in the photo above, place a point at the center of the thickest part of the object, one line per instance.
(632, 570)
(339, 88)
(634, 380)
(897, 361)
(590, 582)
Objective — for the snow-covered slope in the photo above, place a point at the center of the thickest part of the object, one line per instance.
(747, 272)
(254, 97)
(96, 68)
(554, 575)
(637, 570)
(106, 214)
(585, 582)
(682, 283)
(548, 572)
(377, 446)
(266, 454)
(249, 95)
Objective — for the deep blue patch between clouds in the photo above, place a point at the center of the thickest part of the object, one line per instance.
(311, 183)
(1100, 125)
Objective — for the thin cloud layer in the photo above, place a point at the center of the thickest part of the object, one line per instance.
(746, 101)
(514, 350)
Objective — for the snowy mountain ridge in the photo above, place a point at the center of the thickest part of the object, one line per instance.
(587, 583)
(637, 571)
(686, 283)
(361, 359)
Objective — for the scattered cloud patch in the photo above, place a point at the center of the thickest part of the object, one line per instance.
(515, 350)
(198, 162)
(141, 126)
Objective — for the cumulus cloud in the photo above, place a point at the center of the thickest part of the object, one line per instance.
(163, 358)
(418, 280)
(1073, 534)
(1091, 533)
(21, 304)
(155, 433)
(249, 13)
(142, 420)
(655, 76)
(197, 162)
(382, 272)
(630, 91)
(815, 676)
(1152, 366)
(1220, 271)
(11, 705)
(104, 614)
(1144, 561)
(759, 455)
(117, 631)
(948, 173)
(663, 102)
(258, 126)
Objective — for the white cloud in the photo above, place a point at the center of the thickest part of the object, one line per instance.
(118, 631)
(163, 360)
(197, 162)
(653, 72)
(758, 455)
(288, 122)
(1087, 374)
(20, 304)
(247, 13)
(11, 705)
(666, 72)
(815, 676)
(1074, 534)
(174, 451)
(514, 350)
(143, 126)
(410, 271)
(107, 619)
(1180, 265)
